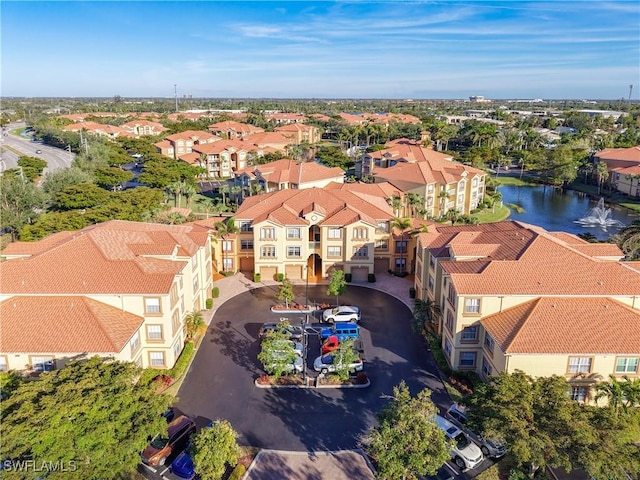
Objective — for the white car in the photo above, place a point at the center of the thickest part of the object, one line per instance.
(464, 452)
(296, 366)
(344, 313)
(297, 347)
(324, 364)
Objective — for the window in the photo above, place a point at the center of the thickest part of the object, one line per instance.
(152, 305)
(246, 227)
(467, 359)
(196, 285)
(194, 262)
(246, 244)
(401, 264)
(449, 321)
(268, 233)
(470, 334)
(293, 251)
(135, 342)
(154, 332)
(227, 246)
(42, 364)
(474, 182)
(3, 363)
(430, 188)
(447, 347)
(472, 305)
(334, 251)
(627, 365)
(432, 262)
(383, 227)
(177, 348)
(401, 246)
(293, 233)
(460, 199)
(451, 295)
(578, 394)
(361, 252)
(488, 342)
(431, 283)
(486, 367)
(579, 364)
(461, 186)
(268, 251)
(173, 294)
(360, 233)
(156, 359)
(175, 322)
(227, 264)
(382, 244)
(335, 233)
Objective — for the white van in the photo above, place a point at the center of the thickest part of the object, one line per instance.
(464, 452)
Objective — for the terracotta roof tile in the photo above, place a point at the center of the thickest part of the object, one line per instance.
(560, 325)
(66, 324)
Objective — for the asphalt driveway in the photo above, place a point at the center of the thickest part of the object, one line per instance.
(220, 382)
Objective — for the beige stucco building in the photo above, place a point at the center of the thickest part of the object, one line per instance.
(516, 297)
(117, 289)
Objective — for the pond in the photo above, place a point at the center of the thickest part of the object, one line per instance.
(558, 210)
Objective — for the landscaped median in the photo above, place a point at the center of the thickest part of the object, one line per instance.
(361, 380)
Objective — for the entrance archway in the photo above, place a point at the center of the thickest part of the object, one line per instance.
(314, 268)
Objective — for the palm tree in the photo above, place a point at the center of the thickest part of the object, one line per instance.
(426, 314)
(176, 188)
(631, 178)
(602, 172)
(207, 205)
(452, 215)
(235, 191)
(611, 390)
(402, 224)
(194, 321)
(224, 230)
(189, 190)
(224, 190)
(395, 204)
(629, 240)
(631, 391)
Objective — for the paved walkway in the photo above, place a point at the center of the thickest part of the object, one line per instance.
(236, 284)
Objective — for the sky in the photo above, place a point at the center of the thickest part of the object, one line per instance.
(583, 49)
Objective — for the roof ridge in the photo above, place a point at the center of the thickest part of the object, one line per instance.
(518, 330)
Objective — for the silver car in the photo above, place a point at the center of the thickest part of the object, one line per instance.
(490, 448)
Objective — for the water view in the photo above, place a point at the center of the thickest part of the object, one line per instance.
(567, 211)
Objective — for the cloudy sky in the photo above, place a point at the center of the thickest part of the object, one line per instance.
(308, 49)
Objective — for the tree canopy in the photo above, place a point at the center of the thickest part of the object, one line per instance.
(91, 416)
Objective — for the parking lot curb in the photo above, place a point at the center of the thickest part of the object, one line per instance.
(338, 385)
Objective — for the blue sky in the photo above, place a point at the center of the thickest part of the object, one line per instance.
(307, 49)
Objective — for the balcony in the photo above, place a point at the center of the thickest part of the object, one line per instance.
(314, 247)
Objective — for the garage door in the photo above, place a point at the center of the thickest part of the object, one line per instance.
(268, 273)
(359, 274)
(246, 264)
(293, 272)
(381, 265)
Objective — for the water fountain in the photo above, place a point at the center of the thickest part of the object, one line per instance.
(599, 216)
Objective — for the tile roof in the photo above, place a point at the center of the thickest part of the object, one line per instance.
(65, 324)
(233, 126)
(286, 170)
(561, 325)
(115, 257)
(626, 154)
(382, 189)
(192, 135)
(266, 138)
(297, 201)
(529, 261)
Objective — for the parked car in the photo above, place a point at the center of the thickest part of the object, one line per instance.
(344, 313)
(183, 466)
(464, 452)
(295, 332)
(298, 348)
(489, 447)
(325, 364)
(443, 473)
(296, 366)
(38, 151)
(330, 344)
(162, 445)
(169, 414)
(341, 330)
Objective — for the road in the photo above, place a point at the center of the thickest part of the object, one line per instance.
(12, 146)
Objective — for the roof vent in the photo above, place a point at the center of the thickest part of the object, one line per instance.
(600, 283)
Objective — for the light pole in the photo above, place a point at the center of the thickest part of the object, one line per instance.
(305, 336)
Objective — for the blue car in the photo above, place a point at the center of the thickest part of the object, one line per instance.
(183, 466)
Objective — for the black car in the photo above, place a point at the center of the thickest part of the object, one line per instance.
(443, 473)
(295, 332)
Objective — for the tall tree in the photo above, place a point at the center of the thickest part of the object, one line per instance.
(94, 417)
(403, 225)
(407, 443)
(337, 284)
(224, 230)
(285, 292)
(19, 203)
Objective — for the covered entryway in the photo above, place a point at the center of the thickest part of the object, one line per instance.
(268, 273)
(381, 265)
(314, 268)
(246, 264)
(359, 274)
(293, 272)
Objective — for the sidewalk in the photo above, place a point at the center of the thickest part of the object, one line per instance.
(236, 284)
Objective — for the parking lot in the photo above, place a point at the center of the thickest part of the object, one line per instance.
(220, 382)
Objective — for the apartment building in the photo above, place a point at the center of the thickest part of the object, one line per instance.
(99, 129)
(284, 118)
(516, 297)
(300, 133)
(312, 231)
(623, 165)
(233, 130)
(443, 183)
(116, 289)
(179, 144)
(144, 127)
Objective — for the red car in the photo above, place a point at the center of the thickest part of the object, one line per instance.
(330, 344)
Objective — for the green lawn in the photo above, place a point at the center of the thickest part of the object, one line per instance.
(496, 214)
(516, 181)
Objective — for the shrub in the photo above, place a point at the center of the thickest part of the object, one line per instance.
(372, 278)
(361, 378)
(183, 361)
(412, 292)
(280, 277)
(347, 277)
(256, 277)
(209, 303)
(215, 292)
(238, 472)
